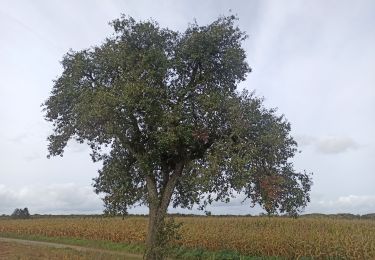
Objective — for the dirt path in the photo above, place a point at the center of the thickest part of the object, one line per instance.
(11, 248)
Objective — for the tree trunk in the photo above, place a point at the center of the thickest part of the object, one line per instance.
(155, 242)
(158, 205)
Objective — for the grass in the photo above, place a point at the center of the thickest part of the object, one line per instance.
(13, 250)
(174, 252)
(97, 244)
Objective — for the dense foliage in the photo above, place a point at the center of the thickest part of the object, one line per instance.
(21, 213)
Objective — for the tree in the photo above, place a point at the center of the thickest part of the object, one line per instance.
(21, 213)
(161, 111)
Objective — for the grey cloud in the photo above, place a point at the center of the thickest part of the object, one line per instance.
(329, 144)
(355, 204)
(74, 199)
(51, 199)
(333, 145)
(32, 156)
(304, 140)
(19, 138)
(29, 29)
(8, 198)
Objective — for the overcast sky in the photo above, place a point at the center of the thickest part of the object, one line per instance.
(314, 60)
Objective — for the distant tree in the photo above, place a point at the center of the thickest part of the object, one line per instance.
(21, 213)
(160, 109)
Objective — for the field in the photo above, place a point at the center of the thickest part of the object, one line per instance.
(319, 238)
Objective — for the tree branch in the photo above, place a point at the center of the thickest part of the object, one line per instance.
(191, 82)
(171, 184)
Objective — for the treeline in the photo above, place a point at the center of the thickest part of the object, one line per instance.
(24, 214)
(340, 215)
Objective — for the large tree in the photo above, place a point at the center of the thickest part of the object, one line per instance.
(161, 110)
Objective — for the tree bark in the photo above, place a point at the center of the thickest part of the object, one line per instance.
(154, 242)
(158, 205)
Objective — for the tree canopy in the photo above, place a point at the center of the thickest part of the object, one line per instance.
(21, 213)
(161, 110)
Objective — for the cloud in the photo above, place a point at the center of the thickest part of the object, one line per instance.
(32, 156)
(20, 138)
(304, 140)
(329, 144)
(353, 200)
(65, 198)
(355, 204)
(333, 145)
(70, 198)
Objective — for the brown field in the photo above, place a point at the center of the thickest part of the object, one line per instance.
(253, 236)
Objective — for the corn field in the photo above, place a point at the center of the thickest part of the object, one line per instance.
(320, 238)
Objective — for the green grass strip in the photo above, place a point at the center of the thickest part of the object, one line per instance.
(178, 253)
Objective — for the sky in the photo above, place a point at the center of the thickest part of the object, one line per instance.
(313, 60)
